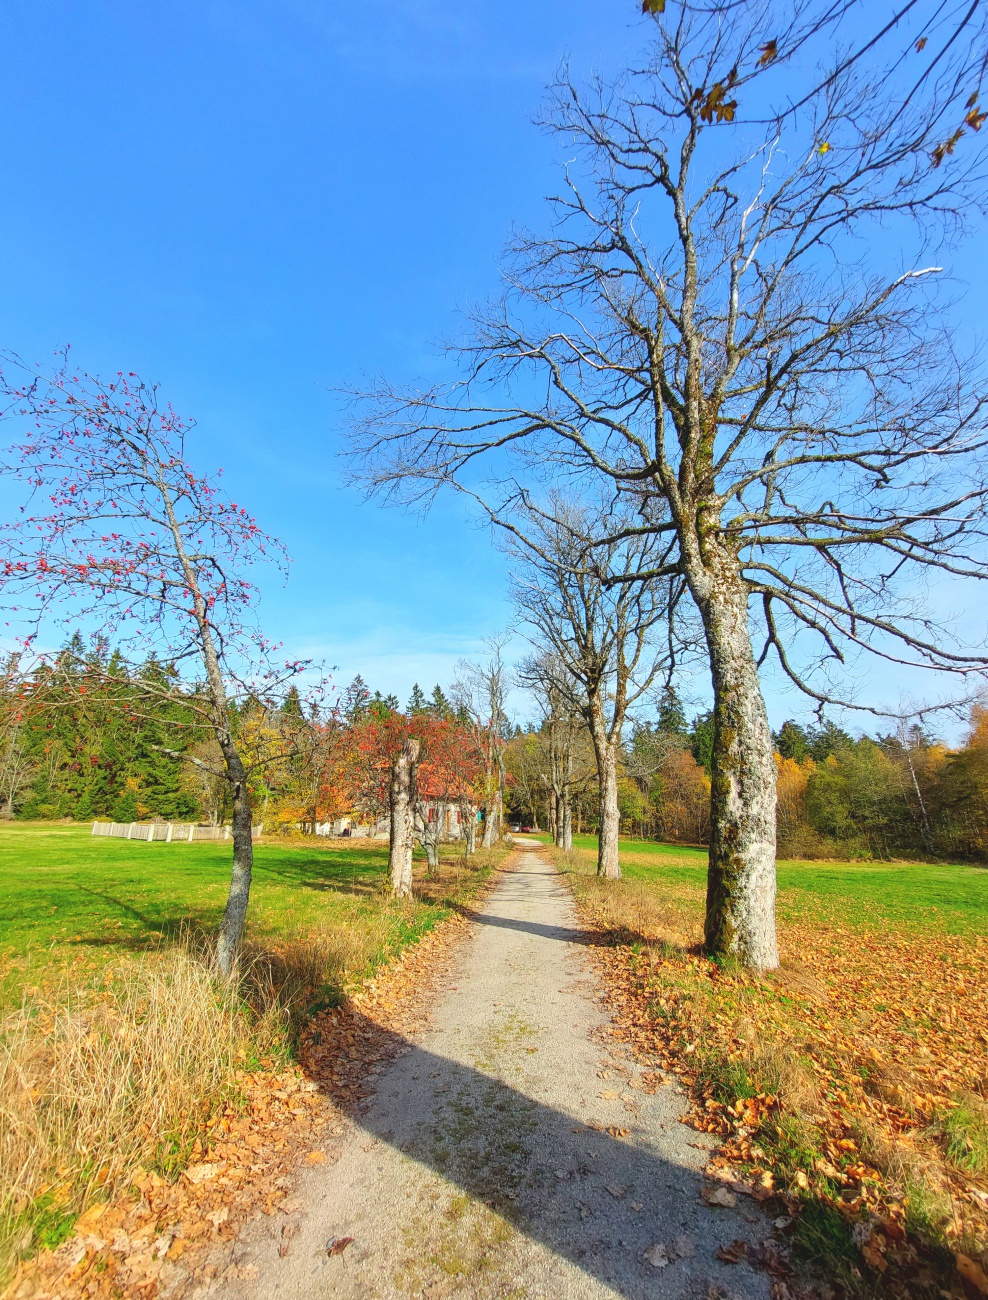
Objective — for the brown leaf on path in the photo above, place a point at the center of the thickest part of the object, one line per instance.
(657, 1256)
(616, 1190)
(337, 1245)
(719, 1196)
(315, 1157)
(767, 1257)
(735, 1253)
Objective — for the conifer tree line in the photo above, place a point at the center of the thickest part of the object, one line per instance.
(898, 793)
(88, 736)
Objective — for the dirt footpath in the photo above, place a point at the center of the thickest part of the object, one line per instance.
(509, 1151)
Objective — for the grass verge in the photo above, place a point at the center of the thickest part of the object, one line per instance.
(118, 1051)
(852, 1082)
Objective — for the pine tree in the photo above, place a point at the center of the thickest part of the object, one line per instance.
(701, 736)
(439, 705)
(417, 702)
(672, 717)
(791, 741)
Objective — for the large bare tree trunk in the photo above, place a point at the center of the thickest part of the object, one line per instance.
(235, 913)
(740, 918)
(605, 750)
(400, 857)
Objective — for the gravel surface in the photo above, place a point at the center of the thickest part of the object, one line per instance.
(484, 1167)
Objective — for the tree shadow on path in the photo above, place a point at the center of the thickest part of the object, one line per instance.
(596, 1195)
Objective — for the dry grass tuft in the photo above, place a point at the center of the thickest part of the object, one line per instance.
(96, 1083)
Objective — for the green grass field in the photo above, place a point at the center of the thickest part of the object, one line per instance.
(66, 897)
(927, 895)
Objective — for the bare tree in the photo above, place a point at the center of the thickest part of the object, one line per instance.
(546, 679)
(128, 539)
(479, 694)
(735, 323)
(601, 628)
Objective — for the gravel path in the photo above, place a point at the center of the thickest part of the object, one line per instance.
(474, 1172)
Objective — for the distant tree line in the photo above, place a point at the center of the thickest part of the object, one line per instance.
(88, 736)
(900, 793)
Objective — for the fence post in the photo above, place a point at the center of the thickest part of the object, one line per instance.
(192, 827)
(168, 837)
(130, 830)
(95, 824)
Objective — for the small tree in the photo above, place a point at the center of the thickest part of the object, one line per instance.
(119, 532)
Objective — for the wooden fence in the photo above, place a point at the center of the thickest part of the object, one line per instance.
(168, 832)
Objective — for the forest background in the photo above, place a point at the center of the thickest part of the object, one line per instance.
(84, 754)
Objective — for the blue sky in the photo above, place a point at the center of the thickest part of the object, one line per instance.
(256, 201)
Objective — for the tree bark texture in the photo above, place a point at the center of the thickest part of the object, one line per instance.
(492, 819)
(402, 784)
(740, 919)
(605, 751)
(235, 913)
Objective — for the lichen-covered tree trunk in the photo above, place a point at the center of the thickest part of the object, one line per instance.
(605, 751)
(400, 857)
(740, 918)
(492, 820)
(566, 803)
(469, 819)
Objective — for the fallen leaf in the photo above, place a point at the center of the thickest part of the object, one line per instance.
(616, 1190)
(337, 1245)
(608, 1095)
(199, 1174)
(657, 1256)
(683, 1247)
(734, 1253)
(719, 1196)
(86, 1223)
(315, 1157)
(766, 1256)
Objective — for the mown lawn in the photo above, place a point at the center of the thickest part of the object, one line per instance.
(952, 898)
(69, 898)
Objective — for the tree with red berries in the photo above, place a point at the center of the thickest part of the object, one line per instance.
(118, 533)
